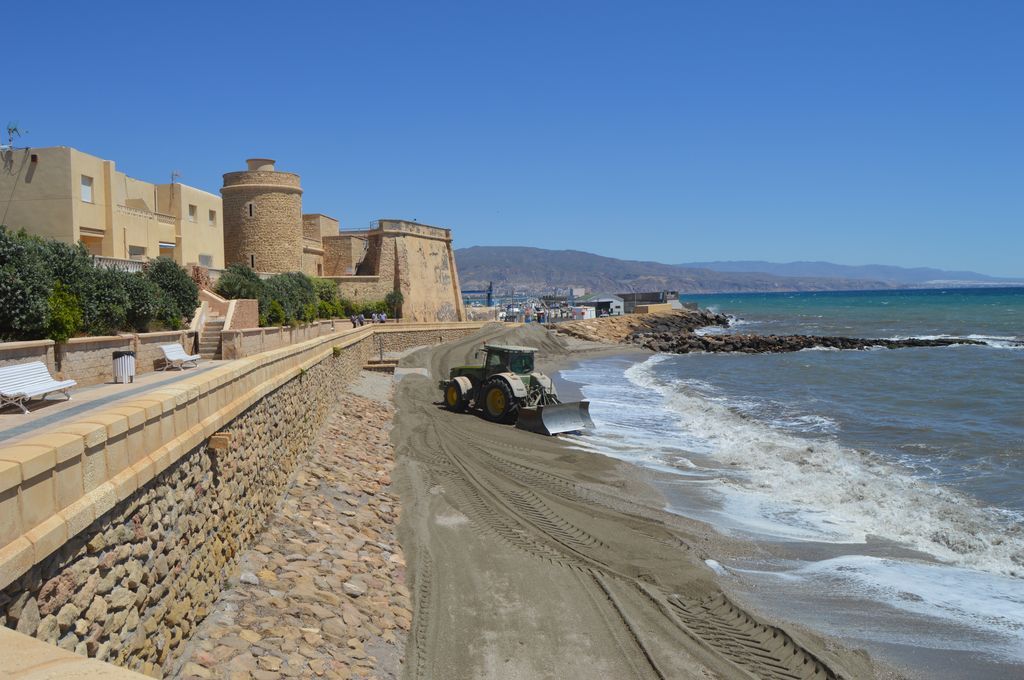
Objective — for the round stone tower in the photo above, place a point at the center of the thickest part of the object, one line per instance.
(263, 218)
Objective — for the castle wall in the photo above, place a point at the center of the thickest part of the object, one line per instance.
(415, 259)
(263, 220)
(342, 253)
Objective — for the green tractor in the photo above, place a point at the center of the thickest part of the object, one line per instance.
(508, 389)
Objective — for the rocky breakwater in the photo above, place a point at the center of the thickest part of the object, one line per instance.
(684, 343)
(622, 329)
(322, 592)
(675, 332)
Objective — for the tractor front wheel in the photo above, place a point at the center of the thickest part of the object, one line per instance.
(454, 399)
(500, 404)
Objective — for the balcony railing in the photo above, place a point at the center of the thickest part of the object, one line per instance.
(146, 214)
(118, 263)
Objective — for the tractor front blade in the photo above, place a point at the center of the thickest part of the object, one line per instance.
(556, 418)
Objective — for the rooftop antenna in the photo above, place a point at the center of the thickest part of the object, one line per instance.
(13, 131)
(175, 174)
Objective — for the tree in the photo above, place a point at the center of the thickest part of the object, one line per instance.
(394, 301)
(25, 289)
(65, 314)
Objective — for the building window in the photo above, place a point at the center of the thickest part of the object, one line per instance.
(87, 188)
(206, 260)
(250, 208)
(136, 252)
(252, 261)
(192, 212)
(213, 218)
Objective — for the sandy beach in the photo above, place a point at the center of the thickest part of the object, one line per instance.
(528, 558)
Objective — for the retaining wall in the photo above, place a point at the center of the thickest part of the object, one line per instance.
(88, 361)
(118, 529)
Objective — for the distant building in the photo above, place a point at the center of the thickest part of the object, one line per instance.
(581, 312)
(631, 300)
(64, 194)
(605, 305)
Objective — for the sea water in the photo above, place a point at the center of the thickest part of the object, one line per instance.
(889, 484)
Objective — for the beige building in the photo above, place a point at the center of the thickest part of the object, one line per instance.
(415, 259)
(265, 229)
(64, 194)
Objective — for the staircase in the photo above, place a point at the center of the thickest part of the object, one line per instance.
(381, 365)
(209, 337)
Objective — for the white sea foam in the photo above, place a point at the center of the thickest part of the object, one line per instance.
(819, 485)
(985, 602)
(997, 341)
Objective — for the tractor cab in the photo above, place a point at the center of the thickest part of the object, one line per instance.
(508, 359)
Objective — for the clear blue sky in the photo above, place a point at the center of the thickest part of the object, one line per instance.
(856, 132)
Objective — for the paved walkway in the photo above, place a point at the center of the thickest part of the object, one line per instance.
(14, 424)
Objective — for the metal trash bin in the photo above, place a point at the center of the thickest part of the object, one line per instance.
(124, 366)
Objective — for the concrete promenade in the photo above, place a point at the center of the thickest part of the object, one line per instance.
(120, 510)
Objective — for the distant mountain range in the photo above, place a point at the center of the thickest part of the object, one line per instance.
(917, 276)
(538, 270)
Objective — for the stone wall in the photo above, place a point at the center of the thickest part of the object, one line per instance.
(245, 342)
(425, 270)
(242, 314)
(148, 355)
(13, 353)
(160, 492)
(270, 240)
(89, 361)
(342, 253)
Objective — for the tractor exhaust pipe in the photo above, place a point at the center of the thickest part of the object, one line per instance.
(556, 418)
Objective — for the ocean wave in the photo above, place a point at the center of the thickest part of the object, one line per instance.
(997, 341)
(845, 492)
(984, 602)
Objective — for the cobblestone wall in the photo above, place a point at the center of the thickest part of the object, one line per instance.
(132, 586)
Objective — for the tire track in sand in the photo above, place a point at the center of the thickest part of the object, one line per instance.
(501, 497)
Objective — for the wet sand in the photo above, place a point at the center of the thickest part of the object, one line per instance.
(530, 559)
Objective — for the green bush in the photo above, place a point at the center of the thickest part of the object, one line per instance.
(326, 290)
(370, 308)
(105, 303)
(166, 312)
(294, 291)
(65, 314)
(239, 282)
(25, 288)
(53, 289)
(144, 300)
(70, 264)
(276, 315)
(176, 282)
(330, 310)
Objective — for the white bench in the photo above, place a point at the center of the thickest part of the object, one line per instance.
(175, 357)
(22, 382)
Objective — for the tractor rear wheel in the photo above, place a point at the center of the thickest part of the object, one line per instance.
(499, 404)
(454, 399)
